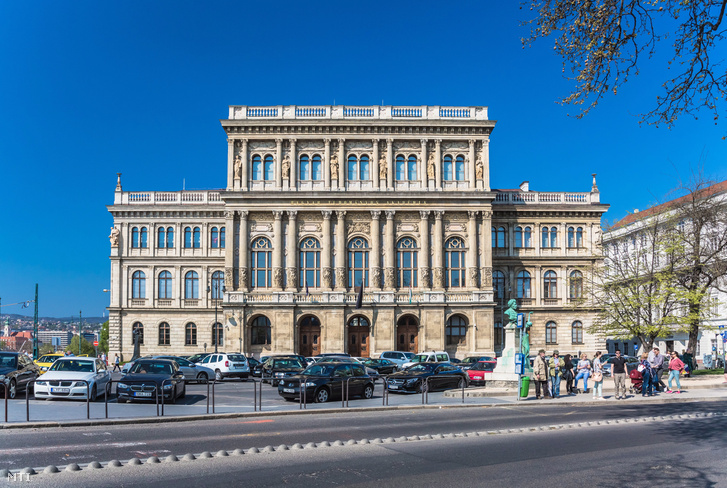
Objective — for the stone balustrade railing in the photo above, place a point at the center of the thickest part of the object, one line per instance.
(545, 198)
(349, 298)
(185, 197)
(381, 112)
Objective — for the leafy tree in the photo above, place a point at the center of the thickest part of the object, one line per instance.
(103, 341)
(2, 345)
(46, 349)
(604, 42)
(86, 347)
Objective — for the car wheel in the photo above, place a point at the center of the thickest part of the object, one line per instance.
(202, 377)
(121, 400)
(244, 377)
(461, 383)
(421, 387)
(94, 394)
(218, 375)
(368, 391)
(13, 390)
(322, 395)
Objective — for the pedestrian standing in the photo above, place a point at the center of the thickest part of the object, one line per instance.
(676, 366)
(103, 358)
(540, 371)
(555, 369)
(647, 387)
(618, 371)
(584, 371)
(597, 377)
(568, 374)
(656, 360)
(688, 361)
(117, 363)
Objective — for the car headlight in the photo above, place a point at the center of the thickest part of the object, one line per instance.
(310, 384)
(412, 381)
(44, 368)
(279, 375)
(122, 385)
(168, 387)
(41, 383)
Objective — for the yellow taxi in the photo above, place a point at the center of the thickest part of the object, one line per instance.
(46, 360)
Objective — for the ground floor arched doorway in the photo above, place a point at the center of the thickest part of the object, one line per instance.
(309, 336)
(407, 334)
(358, 337)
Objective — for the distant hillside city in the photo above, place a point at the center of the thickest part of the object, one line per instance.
(16, 331)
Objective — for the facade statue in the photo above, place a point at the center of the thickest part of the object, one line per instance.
(525, 338)
(430, 167)
(382, 169)
(136, 336)
(238, 167)
(598, 235)
(286, 167)
(480, 169)
(114, 237)
(334, 167)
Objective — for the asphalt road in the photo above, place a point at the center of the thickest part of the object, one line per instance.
(684, 452)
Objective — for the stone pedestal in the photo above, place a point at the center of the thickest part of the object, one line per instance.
(505, 369)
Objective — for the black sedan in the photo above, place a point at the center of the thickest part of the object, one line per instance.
(276, 369)
(17, 373)
(149, 376)
(325, 381)
(381, 366)
(435, 376)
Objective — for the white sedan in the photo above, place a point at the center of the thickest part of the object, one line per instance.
(65, 379)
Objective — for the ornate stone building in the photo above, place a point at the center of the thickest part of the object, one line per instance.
(356, 229)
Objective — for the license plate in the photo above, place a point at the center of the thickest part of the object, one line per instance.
(60, 390)
(393, 387)
(288, 390)
(235, 365)
(142, 393)
(477, 377)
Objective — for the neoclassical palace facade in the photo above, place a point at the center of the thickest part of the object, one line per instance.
(355, 229)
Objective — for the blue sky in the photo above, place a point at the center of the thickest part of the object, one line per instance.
(92, 88)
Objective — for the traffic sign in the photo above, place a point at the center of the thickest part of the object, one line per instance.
(95, 343)
(520, 320)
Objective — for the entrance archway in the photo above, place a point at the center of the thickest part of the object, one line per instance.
(358, 337)
(407, 334)
(309, 336)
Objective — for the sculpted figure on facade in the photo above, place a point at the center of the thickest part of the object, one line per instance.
(430, 166)
(292, 277)
(228, 279)
(425, 277)
(479, 168)
(286, 167)
(376, 278)
(474, 278)
(238, 167)
(114, 237)
(327, 275)
(334, 167)
(382, 168)
(438, 278)
(243, 278)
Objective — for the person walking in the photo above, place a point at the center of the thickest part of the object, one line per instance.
(688, 361)
(676, 366)
(584, 371)
(540, 372)
(656, 360)
(597, 377)
(568, 374)
(647, 387)
(556, 366)
(618, 371)
(117, 363)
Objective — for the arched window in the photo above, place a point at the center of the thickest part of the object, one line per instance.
(188, 237)
(459, 168)
(577, 332)
(190, 334)
(316, 172)
(400, 168)
(571, 237)
(261, 331)
(412, 168)
(139, 327)
(352, 167)
(170, 237)
(138, 285)
(518, 236)
(304, 168)
(358, 321)
(217, 287)
(143, 238)
(545, 240)
(576, 284)
(454, 263)
(164, 285)
(257, 168)
(527, 237)
(218, 334)
(523, 284)
(358, 262)
(501, 237)
(363, 167)
(214, 238)
(135, 237)
(196, 238)
(164, 334)
(553, 237)
(310, 263)
(456, 331)
(551, 336)
(498, 286)
(269, 168)
(161, 238)
(406, 263)
(579, 237)
(191, 285)
(447, 168)
(222, 237)
(261, 263)
(550, 285)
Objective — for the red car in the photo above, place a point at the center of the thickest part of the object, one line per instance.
(480, 371)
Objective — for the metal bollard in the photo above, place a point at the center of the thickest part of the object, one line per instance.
(106, 397)
(6, 387)
(88, 399)
(208, 394)
(213, 395)
(27, 403)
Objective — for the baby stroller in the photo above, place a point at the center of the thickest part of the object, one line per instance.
(637, 381)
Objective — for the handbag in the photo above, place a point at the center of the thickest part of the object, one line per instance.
(597, 376)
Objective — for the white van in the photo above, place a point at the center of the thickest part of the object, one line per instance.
(428, 357)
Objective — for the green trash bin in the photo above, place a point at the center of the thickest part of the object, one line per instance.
(525, 387)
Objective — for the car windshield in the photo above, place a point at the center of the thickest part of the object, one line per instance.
(73, 365)
(422, 367)
(152, 368)
(483, 366)
(8, 361)
(236, 357)
(319, 370)
(334, 359)
(420, 358)
(287, 363)
(47, 359)
(470, 360)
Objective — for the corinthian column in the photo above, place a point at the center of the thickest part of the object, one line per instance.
(229, 250)
(438, 163)
(424, 245)
(375, 165)
(389, 275)
(243, 245)
(486, 247)
(341, 250)
(375, 255)
(279, 164)
(278, 250)
(472, 274)
(292, 252)
(437, 240)
(327, 164)
(471, 166)
(245, 166)
(326, 252)
(230, 164)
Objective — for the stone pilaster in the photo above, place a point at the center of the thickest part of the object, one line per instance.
(245, 160)
(375, 254)
(390, 251)
(291, 261)
(486, 163)
(230, 164)
(437, 240)
(279, 164)
(438, 163)
(326, 271)
(471, 165)
(424, 166)
(375, 164)
(424, 238)
(486, 247)
(278, 250)
(341, 282)
(472, 272)
(390, 164)
(230, 250)
(293, 165)
(341, 183)
(327, 164)
(243, 244)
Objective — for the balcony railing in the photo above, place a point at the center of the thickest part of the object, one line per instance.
(207, 197)
(545, 198)
(336, 112)
(369, 298)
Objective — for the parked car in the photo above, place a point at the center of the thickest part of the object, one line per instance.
(413, 380)
(127, 366)
(326, 381)
(381, 366)
(227, 365)
(190, 370)
(17, 373)
(479, 372)
(257, 371)
(66, 376)
(631, 364)
(252, 363)
(197, 358)
(310, 360)
(276, 369)
(333, 354)
(348, 359)
(46, 361)
(428, 357)
(145, 380)
(470, 361)
(399, 357)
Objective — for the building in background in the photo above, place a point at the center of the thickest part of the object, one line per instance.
(63, 338)
(354, 229)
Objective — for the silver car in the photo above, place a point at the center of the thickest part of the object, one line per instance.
(72, 377)
(190, 370)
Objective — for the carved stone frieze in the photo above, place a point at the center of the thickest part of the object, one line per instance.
(327, 278)
(308, 227)
(376, 278)
(487, 276)
(229, 278)
(473, 277)
(455, 146)
(359, 145)
(407, 227)
(438, 277)
(292, 278)
(458, 227)
(341, 277)
(261, 146)
(278, 277)
(425, 271)
(358, 228)
(243, 278)
(389, 278)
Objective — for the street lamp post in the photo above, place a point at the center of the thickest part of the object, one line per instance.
(80, 321)
(215, 298)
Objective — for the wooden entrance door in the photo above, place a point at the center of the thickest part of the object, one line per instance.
(358, 337)
(309, 337)
(407, 335)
